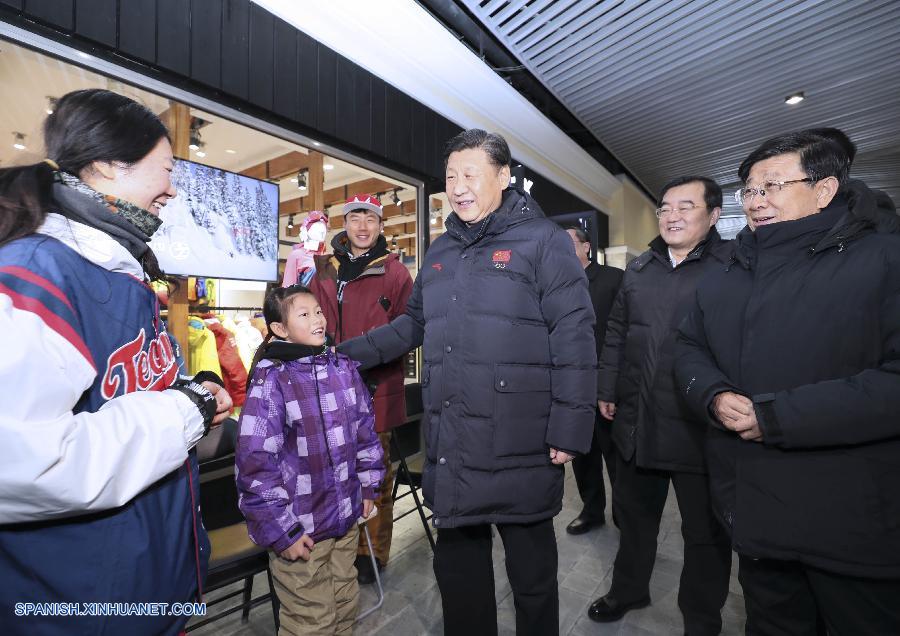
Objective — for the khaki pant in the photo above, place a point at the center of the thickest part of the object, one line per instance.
(318, 597)
(382, 526)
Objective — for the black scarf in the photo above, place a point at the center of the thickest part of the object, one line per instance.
(287, 351)
(350, 267)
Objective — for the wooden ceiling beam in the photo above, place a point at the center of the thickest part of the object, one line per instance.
(283, 166)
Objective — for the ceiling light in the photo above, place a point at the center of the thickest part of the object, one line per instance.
(51, 105)
(290, 223)
(328, 166)
(316, 143)
(433, 221)
(199, 149)
(301, 180)
(18, 141)
(395, 198)
(195, 140)
(796, 98)
(230, 151)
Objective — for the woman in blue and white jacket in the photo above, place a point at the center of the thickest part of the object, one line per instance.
(98, 484)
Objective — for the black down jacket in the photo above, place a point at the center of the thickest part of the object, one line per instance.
(653, 423)
(509, 364)
(806, 322)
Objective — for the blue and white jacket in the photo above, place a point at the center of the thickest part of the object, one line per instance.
(98, 487)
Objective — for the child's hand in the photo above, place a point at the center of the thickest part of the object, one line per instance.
(299, 550)
(368, 504)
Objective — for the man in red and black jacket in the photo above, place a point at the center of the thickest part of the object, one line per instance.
(360, 287)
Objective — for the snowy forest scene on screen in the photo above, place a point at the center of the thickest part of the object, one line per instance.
(220, 224)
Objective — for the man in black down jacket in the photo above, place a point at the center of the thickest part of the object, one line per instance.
(603, 284)
(793, 354)
(657, 437)
(508, 384)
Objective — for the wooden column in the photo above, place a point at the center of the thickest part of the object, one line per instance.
(316, 183)
(177, 119)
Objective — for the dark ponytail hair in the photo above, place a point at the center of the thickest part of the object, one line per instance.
(275, 306)
(86, 126)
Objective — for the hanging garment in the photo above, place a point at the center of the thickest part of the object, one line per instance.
(234, 373)
(202, 351)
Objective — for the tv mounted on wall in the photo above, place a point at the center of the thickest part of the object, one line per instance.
(220, 225)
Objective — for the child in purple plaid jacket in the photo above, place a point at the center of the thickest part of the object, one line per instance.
(308, 464)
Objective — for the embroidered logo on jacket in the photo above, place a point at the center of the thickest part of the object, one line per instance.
(501, 258)
(437, 266)
(131, 368)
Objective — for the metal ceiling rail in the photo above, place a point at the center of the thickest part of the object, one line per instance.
(701, 62)
(717, 37)
(711, 73)
(725, 103)
(608, 21)
(614, 40)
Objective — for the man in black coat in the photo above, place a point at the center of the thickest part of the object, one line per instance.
(657, 437)
(603, 284)
(793, 355)
(501, 307)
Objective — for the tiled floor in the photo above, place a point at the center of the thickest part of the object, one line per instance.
(412, 604)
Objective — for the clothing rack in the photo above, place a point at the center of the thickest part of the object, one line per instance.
(207, 308)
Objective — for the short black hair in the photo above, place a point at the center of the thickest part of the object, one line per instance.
(493, 144)
(839, 137)
(712, 193)
(820, 156)
(580, 234)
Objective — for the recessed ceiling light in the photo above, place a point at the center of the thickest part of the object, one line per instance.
(201, 154)
(328, 166)
(796, 98)
(230, 151)
(18, 141)
(294, 180)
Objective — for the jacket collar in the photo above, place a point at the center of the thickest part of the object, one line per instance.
(516, 207)
(712, 245)
(289, 351)
(848, 217)
(95, 245)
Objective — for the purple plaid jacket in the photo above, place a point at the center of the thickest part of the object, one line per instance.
(307, 452)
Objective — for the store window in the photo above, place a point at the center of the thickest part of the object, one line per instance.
(243, 194)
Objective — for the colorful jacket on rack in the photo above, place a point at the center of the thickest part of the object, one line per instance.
(233, 371)
(307, 453)
(202, 351)
(372, 299)
(98, 494)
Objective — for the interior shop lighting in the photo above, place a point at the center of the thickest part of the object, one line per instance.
(302, 182)
(395, 198)
(51, 105)
(796, 98)
(18, 141)
(328, 166)
(290, 223)
(230, 151)
(200, 152)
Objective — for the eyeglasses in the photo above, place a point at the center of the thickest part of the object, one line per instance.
(744, 195)
(685, 208)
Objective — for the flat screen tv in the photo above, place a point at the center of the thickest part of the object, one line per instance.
(219, 225)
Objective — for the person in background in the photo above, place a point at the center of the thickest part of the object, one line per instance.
(792, 355)
(360, 287)
(98, 487)
(508, 384)
(659, 440)
(308, 465)
(603, 284)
